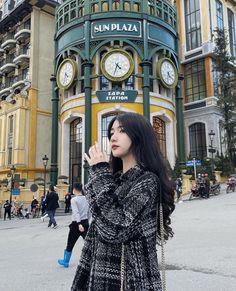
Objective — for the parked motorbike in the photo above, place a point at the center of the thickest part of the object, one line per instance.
(230, 185)
(215, 189)
(197, 191)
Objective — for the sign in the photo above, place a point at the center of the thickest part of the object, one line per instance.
(190, 163)
(116, 95)
(212, 150)
(15, 191)
(116, 27)
(34, 188)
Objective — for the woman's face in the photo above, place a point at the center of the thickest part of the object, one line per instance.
(120, 142)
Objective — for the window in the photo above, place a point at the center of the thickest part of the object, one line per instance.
(106, 119)
(160, 130)
(219, 15)
(10, 139)
(197, 140)
(231, 24)
(76, 138)
(195, 81)
(104, 82)
(129, 83)
(193, 24)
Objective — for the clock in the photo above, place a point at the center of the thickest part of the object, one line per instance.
(117, 65)
(167, 72)
(66, 74)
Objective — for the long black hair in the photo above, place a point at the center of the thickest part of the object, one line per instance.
(145, 147)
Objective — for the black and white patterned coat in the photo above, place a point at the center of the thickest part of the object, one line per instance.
(123, 208)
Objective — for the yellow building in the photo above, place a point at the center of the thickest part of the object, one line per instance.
(26, 64)
(202, 116)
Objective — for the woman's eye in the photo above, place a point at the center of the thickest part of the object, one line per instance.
(122, 129)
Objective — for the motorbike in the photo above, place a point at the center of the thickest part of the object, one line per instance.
(215, 189)
(230, 185)
(197, 191)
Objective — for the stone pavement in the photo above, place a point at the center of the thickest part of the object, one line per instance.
(200, 257)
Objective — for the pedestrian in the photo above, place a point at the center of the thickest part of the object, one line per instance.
(7, 210)
(42, 204)
(34, 207)
(178, 188)
(67, 202)
(201, 185)
(44, 213)
(207, 185)
(79, 225)
(51, 203)
(119, 252)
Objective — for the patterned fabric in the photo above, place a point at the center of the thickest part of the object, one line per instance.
(123, 208)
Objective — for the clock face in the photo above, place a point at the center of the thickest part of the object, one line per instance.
(66, 74)
(168, 73)
(117, 65)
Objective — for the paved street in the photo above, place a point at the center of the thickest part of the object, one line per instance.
(201, 256)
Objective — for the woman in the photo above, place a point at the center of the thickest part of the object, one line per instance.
(120, 247)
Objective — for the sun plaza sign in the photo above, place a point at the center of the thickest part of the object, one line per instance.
(119, 27)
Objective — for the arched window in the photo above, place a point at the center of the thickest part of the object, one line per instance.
(115, 5)
(197, 140)
(76, 138)
(160, 130)
(105, 122)
(104, 6)
(126, 6)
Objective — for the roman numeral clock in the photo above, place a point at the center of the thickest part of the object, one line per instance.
(117, 65)
(167, 72)
(66, 74)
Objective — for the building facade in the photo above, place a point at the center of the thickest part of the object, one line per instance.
(202, 116)
(113, 57)
(26, 63)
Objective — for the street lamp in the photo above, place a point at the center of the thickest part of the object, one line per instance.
(45, 162)
(12, 169)
(211, 149)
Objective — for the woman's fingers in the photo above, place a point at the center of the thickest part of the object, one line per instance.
(95, 155)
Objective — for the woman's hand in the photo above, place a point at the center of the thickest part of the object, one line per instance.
(95, 155)
(81, 228)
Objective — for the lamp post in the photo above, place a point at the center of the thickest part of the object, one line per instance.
(45, 162)
(12, 169)
(211, 149)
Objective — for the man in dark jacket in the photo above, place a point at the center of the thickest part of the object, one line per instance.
(51, 203)
(7, 210)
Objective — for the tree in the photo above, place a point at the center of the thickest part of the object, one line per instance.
(224, 65)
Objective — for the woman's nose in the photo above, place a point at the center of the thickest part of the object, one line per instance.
(113, 137)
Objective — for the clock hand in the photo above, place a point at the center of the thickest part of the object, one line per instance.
(117, 66)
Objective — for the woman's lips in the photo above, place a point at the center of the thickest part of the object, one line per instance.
(114, 147)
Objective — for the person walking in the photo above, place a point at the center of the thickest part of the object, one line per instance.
(126, 199)
(79, 225)
(178, 188)
(67, 202)
(7, 210)
(51, 203)
(207, 185)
